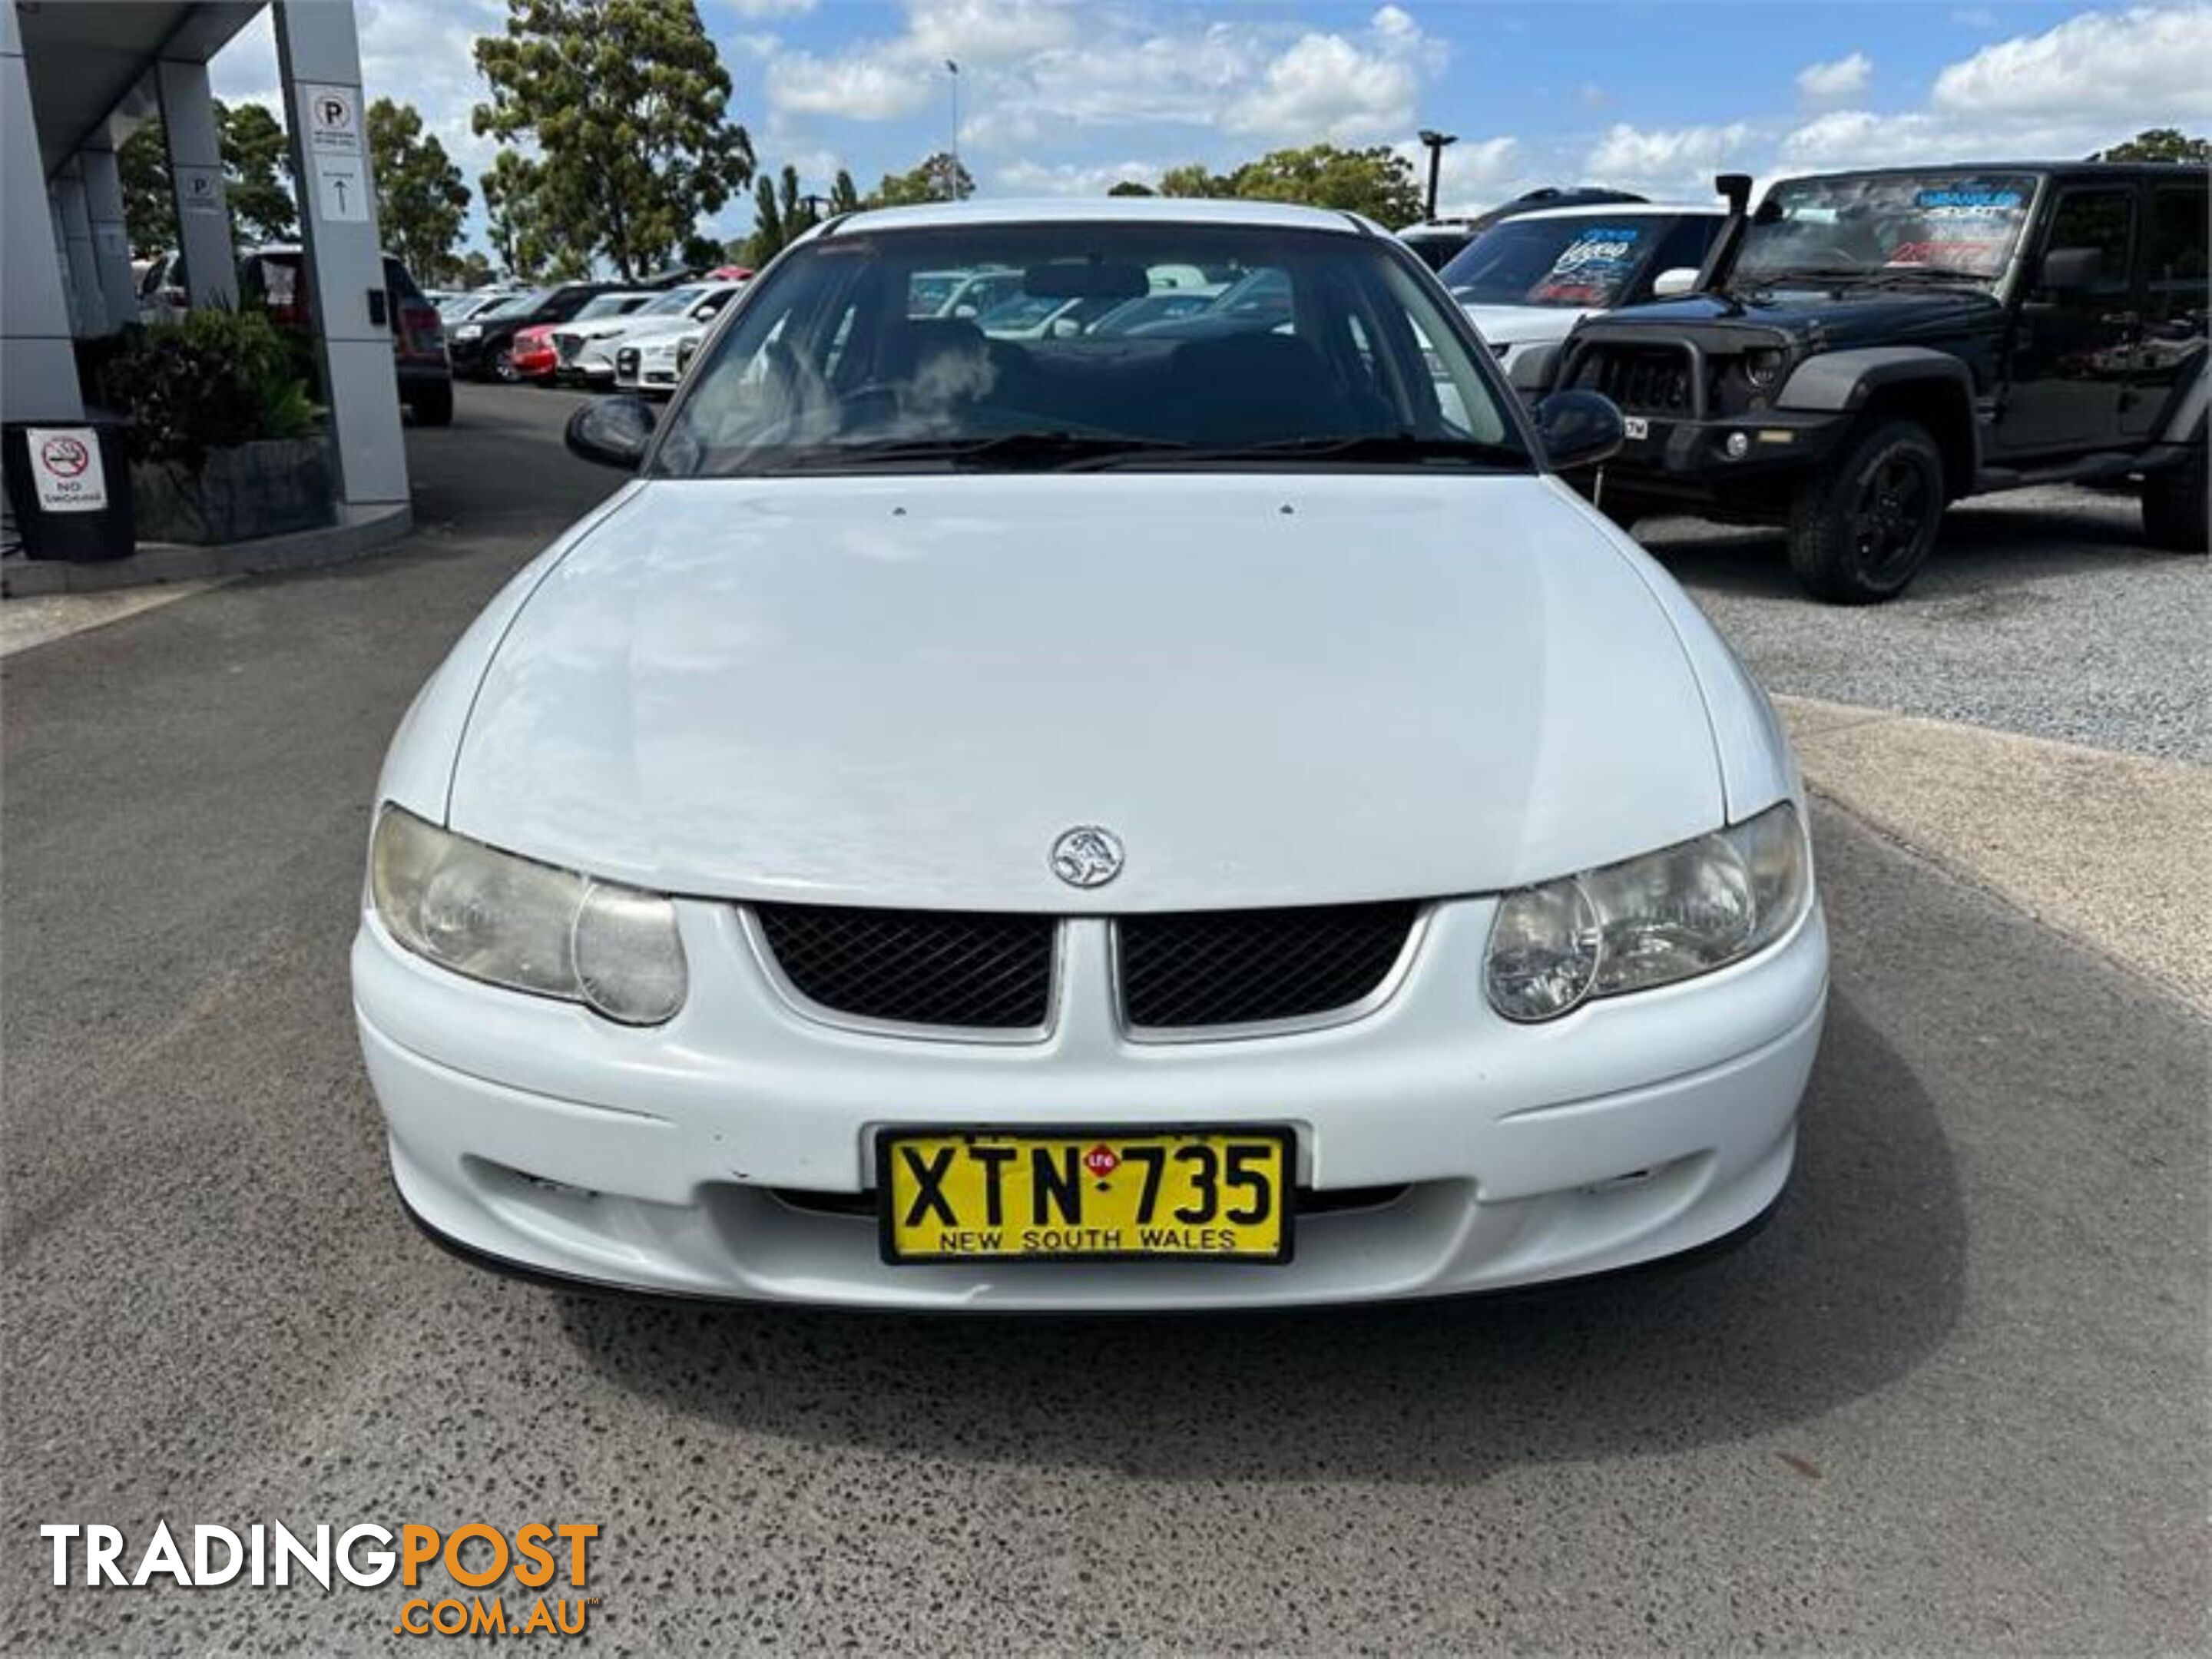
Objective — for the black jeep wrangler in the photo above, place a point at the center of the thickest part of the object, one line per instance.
(1869, 347)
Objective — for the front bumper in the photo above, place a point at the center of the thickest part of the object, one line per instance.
(706, 1157)
(1685, 455)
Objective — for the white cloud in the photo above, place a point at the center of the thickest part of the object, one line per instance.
(1068, 178)
(980, 31)
(2147, 60)
(861, 87)
(1032, 69)
(1325, 87)
(1845, 77)
(1669, 160)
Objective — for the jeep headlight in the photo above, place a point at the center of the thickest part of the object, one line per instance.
(1664, 917)
(469, 331)
(528, 927)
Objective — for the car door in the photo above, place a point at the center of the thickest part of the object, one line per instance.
(2074, 343)
(2171, 350)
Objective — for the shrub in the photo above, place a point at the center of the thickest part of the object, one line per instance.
(216, 380)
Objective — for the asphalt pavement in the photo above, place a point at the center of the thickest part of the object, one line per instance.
(1952, 1400)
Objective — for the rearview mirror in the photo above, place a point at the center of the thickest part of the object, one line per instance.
(612, 431)
(1669, 283)
(1086, 279)
(1579, 429)
(2070, 270)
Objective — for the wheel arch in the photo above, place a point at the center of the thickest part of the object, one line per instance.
(1898, 382)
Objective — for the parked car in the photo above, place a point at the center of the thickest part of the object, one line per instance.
(585, 347)
(975, 824)
(529, 356)
(480, 344)
(1162, 306)
(1530, 279)
(654, 367)
(270, 275)
(1439, 241)
(1876, 345)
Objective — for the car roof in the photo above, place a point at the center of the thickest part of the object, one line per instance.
(2151, 169)
(1623, 211)
(995, 210)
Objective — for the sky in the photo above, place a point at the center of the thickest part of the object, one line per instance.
(1061, 96)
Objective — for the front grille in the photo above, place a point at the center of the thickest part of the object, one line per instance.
(626, 360)
(916, 967)
(1247, 967)
(1644, 380)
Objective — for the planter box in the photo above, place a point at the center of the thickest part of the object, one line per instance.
(238, 495)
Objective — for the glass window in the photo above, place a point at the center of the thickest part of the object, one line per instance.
(2101, 219)
(1588, 263)
(1851, 227)
(2178, 236)
(1309, 339)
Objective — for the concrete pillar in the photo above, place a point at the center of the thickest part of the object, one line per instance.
(37, 365)
(110, 235)
(319, 63)
(196, 181)
(89, 307)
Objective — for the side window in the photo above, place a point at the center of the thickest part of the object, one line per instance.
(1684, 247)
(712, 304)
(2177, 237)
(2101, 219)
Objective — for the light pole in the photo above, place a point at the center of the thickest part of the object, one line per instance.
(952, 173)
(1436, 142)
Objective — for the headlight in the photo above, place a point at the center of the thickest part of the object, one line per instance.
(509, 921)
(1670, 915)
(1763, 368)
(469, 331)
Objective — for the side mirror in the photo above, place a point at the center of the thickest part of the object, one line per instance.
(1579, 429)
(612, 431)
(1682, 279)
(2070, 269)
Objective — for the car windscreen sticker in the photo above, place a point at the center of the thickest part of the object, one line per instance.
(1591, 268)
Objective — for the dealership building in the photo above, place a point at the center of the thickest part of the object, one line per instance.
(78, 77)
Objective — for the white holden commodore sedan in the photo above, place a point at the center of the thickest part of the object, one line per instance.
(1100, 821)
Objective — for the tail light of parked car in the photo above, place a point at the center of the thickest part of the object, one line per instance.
(422, 333)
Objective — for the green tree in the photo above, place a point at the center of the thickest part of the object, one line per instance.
(520, 221)
(1377, 182)
(420, 197)
(256, 180)
(472, 269)
(938, 179)
(257, 165)
(1194, 179)
(148, 209)
(2160, 144)
(780, 215)
(1132, 187)
(627, 105)
(844, 194)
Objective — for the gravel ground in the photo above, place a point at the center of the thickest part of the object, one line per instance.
(2042, 612)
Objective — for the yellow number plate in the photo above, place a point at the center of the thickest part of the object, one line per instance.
(1107, 1195)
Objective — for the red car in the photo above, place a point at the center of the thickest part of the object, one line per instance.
(531, 353)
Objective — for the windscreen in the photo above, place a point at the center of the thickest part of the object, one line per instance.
(1184, 343)
(1952, 224)
(1582, 262)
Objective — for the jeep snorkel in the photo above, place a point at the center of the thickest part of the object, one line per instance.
(1735, 189)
